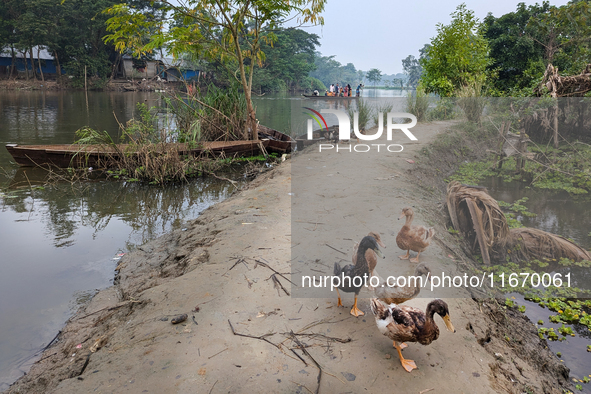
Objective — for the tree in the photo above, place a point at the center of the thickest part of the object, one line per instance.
(516, 57)
(374, 75)
(229, 31)
(412, 66)
(288, 61)
(523, 43)
(330, 71)
(458, 55)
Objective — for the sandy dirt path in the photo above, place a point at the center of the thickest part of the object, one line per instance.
(211, 265)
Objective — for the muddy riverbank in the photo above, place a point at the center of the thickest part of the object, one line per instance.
(124, 341)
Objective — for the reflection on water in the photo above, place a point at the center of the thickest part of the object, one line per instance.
(61, 242)
(556, 211)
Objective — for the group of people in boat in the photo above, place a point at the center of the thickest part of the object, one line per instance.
(341, 91)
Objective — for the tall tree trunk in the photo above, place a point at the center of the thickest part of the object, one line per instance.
(39, 60)
(555, 131)
(58, 68)
(26, 65)
(13, 64)
(33, 63)
(115, 66)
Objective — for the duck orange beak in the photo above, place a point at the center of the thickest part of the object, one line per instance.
(447, 321)
(402, 215)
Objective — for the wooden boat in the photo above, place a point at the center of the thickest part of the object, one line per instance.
(278, 142)
(92, 155)
(330, 97)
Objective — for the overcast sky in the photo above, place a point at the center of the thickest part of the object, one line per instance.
(380, 33)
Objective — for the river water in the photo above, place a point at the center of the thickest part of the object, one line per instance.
(59, 244)
(559, 213)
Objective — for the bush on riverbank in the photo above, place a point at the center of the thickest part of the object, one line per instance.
(156, 150)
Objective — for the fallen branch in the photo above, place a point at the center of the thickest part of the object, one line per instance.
(340, 251)
(277, 284)
(210, 357)
(258, 262)
(313, 335)
(319, 378)
(262, 337)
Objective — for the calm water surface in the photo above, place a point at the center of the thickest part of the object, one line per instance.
(60, 243)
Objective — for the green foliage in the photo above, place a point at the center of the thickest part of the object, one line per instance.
(71, 30)
(412, 67)
(381, 108)
(513, 47)
(517, 209)
(523, 42)
(374, 75)
(364, 111)
(288, 62)
(471, 101)
(232, 33)
(330, 71)
(215, 114)
(444, 109)
(458, 55)
(567, 168)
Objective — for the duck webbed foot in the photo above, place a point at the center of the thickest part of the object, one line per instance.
(406, 256)
(408, 365)
(356, 311)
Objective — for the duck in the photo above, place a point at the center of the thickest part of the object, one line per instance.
(403, 323)
(399, 294)
(367, 250)
(372, 259)
(415, 238)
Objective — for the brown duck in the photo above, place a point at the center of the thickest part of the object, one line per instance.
(402, 323)
(415, 238)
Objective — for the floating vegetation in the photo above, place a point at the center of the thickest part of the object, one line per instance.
(567, 168)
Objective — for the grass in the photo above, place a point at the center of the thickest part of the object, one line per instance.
(417, 103)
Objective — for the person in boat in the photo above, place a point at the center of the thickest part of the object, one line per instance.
(331, 89)
(326, 92)
(358, 90)
(346, 91)
(316, 93)
(349, 90)
(336, 89)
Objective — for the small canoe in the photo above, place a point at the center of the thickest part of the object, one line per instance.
(278, 142)
(330, 97)
(74, 155)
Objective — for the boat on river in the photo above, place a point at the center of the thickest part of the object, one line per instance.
(330, 97)
(76, 155)
(278, 142)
